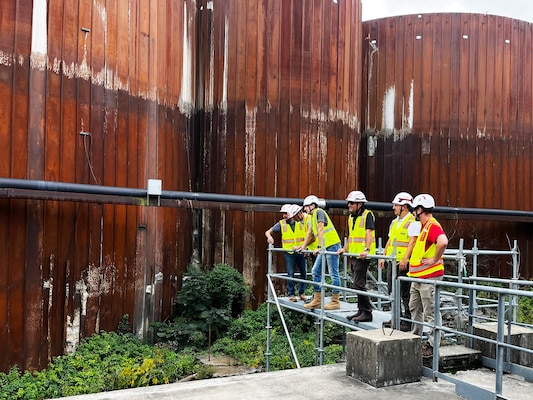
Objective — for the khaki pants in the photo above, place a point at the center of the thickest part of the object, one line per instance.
(422, 305)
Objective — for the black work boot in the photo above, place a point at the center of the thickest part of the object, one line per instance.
(365, 316)
(352, 316)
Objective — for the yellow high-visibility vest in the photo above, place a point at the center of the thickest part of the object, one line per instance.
(289, 237)
(399, 231)
(416, 268)
(356, 237)
(330, 234)
(308, 226)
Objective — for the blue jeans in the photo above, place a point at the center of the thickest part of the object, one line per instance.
(292, 261)
(332, 261)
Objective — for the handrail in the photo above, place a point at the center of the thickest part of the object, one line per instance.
(506, 310)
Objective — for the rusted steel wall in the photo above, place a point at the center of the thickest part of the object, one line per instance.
(280, 116)
(124, 72)
(448, 100)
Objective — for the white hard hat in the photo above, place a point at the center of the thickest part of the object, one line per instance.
(356, 196)
(285, 208)
(311, 199)
(403, 198)
(293, 210)
(424, 200)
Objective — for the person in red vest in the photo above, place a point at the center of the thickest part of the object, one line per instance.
(293, 232)
(426, 262)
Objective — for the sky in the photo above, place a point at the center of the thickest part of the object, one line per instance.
(519, 9)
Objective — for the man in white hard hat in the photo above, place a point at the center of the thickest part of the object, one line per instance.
(426, 262)
(403, 231)
(328, 239)
(292, 235)
(361, 241)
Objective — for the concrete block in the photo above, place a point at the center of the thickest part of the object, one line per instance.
(456, 357)
(520, 336)
(382, 359)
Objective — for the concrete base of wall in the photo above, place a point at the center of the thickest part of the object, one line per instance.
(384, 359)
(520, 336)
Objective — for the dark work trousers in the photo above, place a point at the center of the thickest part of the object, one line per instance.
(405, 288)
(359, 269)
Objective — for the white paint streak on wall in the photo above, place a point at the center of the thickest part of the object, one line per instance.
(334, 115)
(185, 103)
(104, 77)
(39, 32)
(387, 122)
(81, 289)
(6, 59)
(73, 332)
(224, 105)
(410, 115)
(250, 146)
(209, 102)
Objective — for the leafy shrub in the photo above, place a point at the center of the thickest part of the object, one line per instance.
(246, 340)
(525, 308)
(207, 303)
(102, 362)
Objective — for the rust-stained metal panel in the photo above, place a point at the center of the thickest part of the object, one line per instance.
(124, 75)
(281, 110)
(448, 111)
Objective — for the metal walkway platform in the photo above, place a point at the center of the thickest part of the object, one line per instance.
(378, 317)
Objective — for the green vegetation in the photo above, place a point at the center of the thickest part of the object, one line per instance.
(103, 362)
(246, 340)
(207, 303)
(525, 308)
(210, 302)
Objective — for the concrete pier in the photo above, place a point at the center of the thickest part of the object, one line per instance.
(384, 357)
(520, 336)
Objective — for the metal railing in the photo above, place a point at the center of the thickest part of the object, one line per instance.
(465, 288)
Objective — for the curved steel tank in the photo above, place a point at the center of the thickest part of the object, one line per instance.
(238, 97)
(281, 115)
(448, 101)
(94, 93)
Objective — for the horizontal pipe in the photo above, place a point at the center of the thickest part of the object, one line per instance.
(99, 191)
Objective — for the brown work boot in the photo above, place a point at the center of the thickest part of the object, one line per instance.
(315, 303)
(334, 304)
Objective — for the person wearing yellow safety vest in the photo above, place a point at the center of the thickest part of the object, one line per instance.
(426, 262)
(323, 230)
(292, 235)
(403, 231)
(361, 241)
(313, 245)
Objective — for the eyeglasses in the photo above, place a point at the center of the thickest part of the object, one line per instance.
(351, 203)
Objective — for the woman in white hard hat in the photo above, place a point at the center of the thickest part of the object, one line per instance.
(292, 235)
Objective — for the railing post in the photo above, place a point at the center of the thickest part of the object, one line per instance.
(320, 347)
(499, 347)
(461, 271)
(475, 252)
(436, 333)
(270, 295)
(514, 299)
(395, 295)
